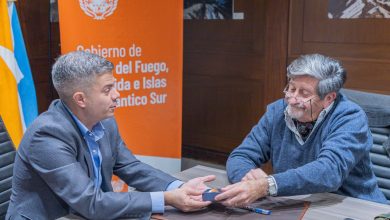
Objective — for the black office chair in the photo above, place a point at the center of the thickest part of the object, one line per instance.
(7, 157)
(377, 108)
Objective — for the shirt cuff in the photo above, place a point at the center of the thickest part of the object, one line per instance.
(157, 202)
(174, 185)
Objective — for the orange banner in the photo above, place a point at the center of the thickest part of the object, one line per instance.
(143, 38)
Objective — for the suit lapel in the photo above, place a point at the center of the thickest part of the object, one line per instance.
(106, 171)
(87, 159)
(83, 152)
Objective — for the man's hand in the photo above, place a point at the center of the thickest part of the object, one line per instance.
(243, 193)
(189, 196)
(254, 174)
(198, 184)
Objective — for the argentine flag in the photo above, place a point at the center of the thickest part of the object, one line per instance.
(18, 104)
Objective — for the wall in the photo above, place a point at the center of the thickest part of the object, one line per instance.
(362, 45)
(42, 42)
(232, 69)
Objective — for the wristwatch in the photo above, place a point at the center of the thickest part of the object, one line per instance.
(272, 191)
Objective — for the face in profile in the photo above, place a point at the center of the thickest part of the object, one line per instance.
(101, 97)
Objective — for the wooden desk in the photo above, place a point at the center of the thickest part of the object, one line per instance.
(323, 205)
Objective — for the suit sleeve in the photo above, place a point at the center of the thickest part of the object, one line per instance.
(54, 159)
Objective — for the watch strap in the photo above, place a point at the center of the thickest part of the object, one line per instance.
(272, 189)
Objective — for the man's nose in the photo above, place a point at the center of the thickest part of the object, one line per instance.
(115, 94)
(292, 100)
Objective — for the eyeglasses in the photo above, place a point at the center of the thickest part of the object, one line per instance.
(289, 94)
(300, 99)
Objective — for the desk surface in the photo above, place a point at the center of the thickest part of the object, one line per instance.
(323, 205)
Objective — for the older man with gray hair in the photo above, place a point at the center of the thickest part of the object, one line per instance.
(68, 155)
(316, 139)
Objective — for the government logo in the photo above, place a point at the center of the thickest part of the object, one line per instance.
(98, 9)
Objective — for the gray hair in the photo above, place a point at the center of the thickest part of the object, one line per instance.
(77, 70)
(328, 71)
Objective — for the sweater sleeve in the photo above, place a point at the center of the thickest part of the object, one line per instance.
(346, 141)
(253, 151)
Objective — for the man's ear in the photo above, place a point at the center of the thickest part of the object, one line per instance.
(79, 99)
(329, 98)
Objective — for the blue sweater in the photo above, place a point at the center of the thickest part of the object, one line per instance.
(335, 158)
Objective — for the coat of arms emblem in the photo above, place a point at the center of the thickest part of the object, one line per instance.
(98, 9)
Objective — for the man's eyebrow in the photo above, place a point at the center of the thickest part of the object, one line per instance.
(307, 88)
(110, 85)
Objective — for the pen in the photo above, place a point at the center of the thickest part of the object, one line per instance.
(258, 210)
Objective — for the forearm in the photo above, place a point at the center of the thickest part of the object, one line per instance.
(252, 152)
(83, 197)
(169, 198)
(237, 167)
(244, 158)
(315, 177)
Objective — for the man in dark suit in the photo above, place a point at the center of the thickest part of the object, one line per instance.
(67, 157)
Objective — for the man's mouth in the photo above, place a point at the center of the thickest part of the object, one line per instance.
(297, 107)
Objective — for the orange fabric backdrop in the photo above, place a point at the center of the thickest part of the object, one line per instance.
(155, 28)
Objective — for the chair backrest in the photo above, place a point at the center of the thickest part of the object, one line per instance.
(7, 157)
(377, 108)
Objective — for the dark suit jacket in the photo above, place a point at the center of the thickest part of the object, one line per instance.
(53, 173)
